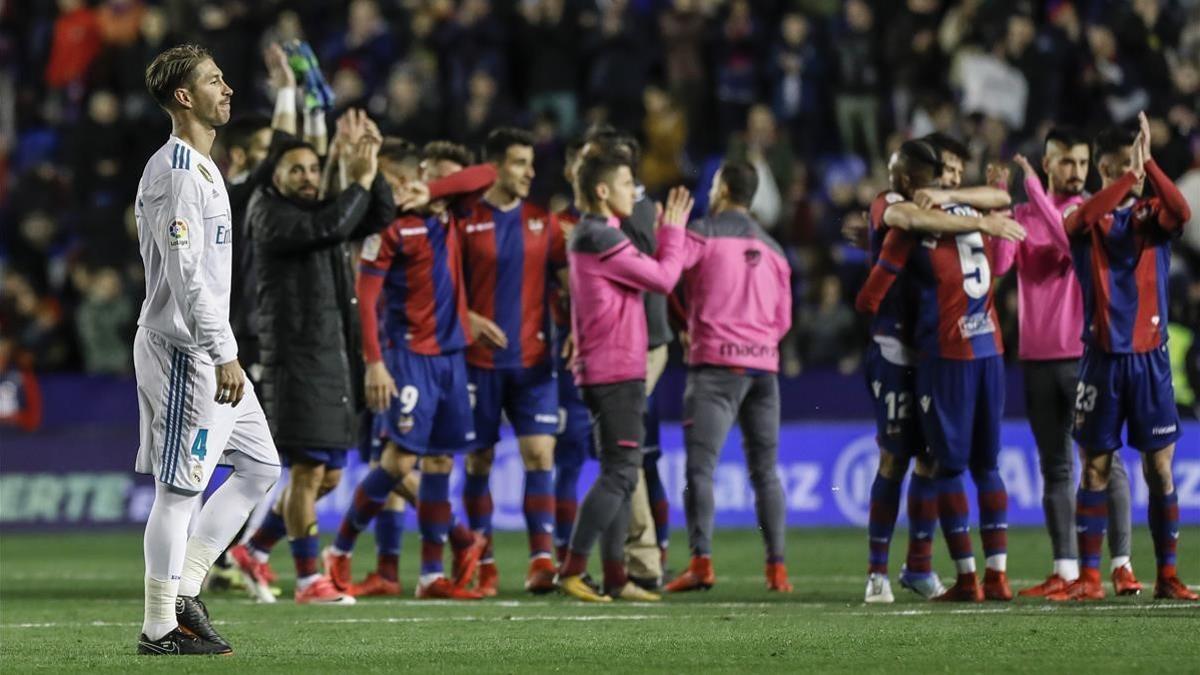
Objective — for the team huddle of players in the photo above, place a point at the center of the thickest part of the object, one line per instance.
(469, 317)
(1092, 266)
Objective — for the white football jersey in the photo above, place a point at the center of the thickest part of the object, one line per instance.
(186, 239)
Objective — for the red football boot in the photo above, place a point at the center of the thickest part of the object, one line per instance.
(699, 576)
(1086, 588)
(322, 592)
(466, 560)
(489, 580)
(777, 578)
(995, 586)
(966, 588)
(1124, 583)
(1052, 584)
(442, 589)
(540, 578)
(375, 584)
(1171, 588)
(337, 566)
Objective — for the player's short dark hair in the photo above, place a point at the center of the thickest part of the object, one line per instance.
(241, 129)
(741, 179)
(947, 143)
(436, 151)
(597, 168)
(1066, 136)
(285, 145)
(398, 150)
(1112, 140)
(608, 136)
(495, 148)
(919, 155)
(173, 69)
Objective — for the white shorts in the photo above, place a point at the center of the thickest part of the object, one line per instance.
(184, 432)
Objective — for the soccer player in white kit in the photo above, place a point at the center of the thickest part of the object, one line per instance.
(196, 407)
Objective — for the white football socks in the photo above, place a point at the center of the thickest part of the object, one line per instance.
(164, 548)
(1067, 568)
(159, 617)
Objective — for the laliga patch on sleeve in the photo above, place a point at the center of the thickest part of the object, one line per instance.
(1069, 210)
(893, 197)
(177, 235)
(370, 247)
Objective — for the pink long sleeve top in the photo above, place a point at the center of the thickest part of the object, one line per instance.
(1049, 300)
(608, 275)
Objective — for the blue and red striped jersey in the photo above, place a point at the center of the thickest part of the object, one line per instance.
(560, 298)
(952, 283)
(425, 304)
(896, 316)
(509, 258)
(1121, 249)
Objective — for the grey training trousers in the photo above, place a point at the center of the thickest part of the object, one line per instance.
(714, 399)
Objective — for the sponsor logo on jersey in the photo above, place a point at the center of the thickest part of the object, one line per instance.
(413, 231)
(733, 349)
(474, 228)
(177, 235)
(976, 324)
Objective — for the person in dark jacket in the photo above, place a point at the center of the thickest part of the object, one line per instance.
(309, 331)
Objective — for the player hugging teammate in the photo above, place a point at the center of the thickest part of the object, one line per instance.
(936, 291)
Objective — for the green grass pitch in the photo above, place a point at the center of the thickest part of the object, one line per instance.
(73, 603)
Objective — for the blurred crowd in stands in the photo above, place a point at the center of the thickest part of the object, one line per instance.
(815, 92)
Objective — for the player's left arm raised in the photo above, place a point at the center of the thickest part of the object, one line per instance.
(1171, 208)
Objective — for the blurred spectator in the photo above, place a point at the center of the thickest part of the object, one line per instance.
(737, 58)
(618, 46)
(666, 130)
(768, 149)
(402, 110)
(858, 82)
(682, 27)
(483, 111)
(75, 44)
(549, 39)
(826, 327)
(366, 46)
(104, 320)
(20, 396)
(796, 69)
